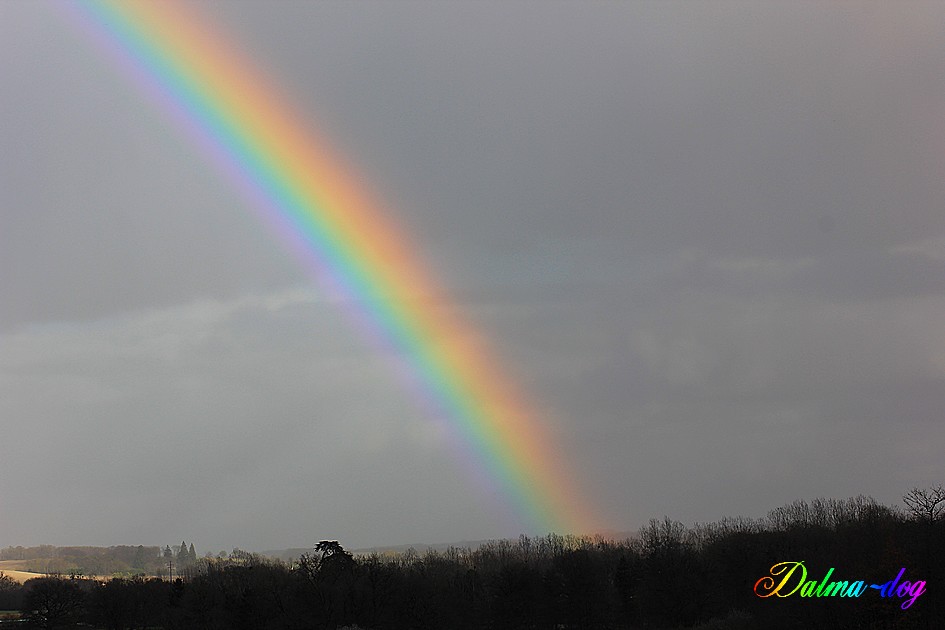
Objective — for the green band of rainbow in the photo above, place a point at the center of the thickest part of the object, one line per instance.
(329, 219)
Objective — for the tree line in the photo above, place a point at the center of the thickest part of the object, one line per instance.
(670, 576)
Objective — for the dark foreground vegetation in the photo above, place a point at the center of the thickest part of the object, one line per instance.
(670, 577)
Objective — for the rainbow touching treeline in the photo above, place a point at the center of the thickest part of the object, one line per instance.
(328, 218)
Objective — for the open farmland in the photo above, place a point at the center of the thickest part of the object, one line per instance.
(21, 576)
(14, 569)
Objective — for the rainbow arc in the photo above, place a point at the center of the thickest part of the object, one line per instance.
(309, 196)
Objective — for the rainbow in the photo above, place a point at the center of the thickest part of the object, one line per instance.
(327, 217)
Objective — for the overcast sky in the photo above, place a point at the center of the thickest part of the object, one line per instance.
(708, 238)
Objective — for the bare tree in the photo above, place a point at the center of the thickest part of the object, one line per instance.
(51, 601)
(927, 504)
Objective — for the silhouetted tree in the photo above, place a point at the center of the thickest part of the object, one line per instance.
(51, 601)
(11, 593)
(329, 573)
(927, 504)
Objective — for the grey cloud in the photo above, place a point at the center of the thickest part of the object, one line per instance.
(706, 238)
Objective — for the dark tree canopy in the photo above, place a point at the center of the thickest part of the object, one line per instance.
(671, 576)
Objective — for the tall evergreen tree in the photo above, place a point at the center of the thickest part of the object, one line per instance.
(183, 557)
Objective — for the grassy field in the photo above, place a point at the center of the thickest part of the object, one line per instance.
(13, 569)
(21, 576)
